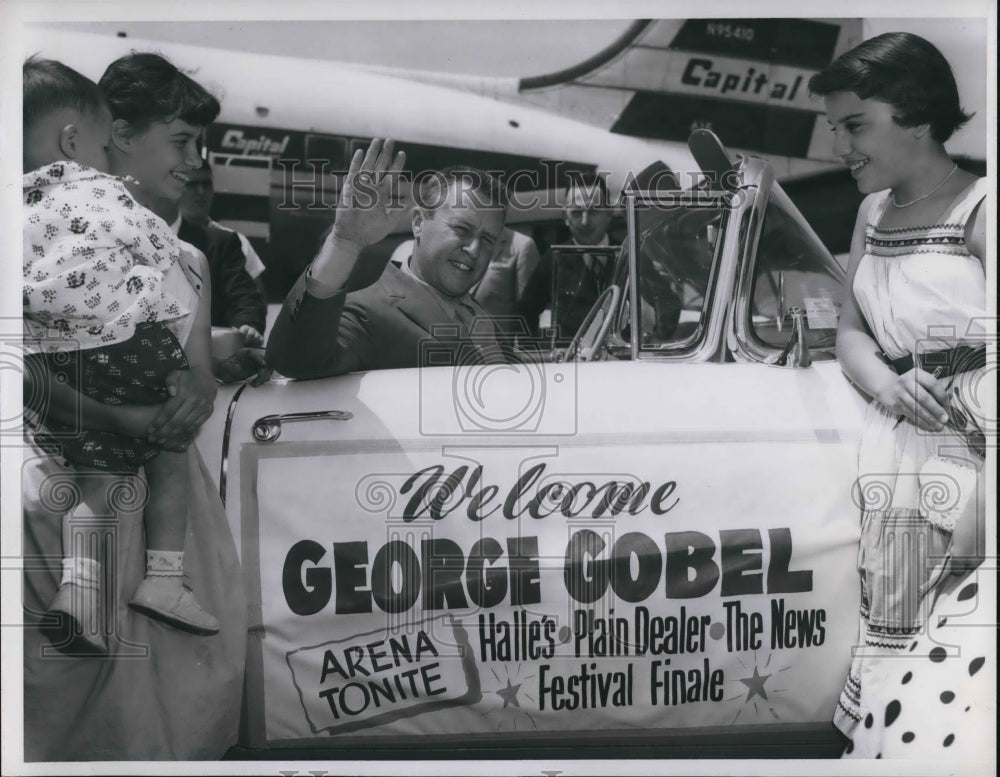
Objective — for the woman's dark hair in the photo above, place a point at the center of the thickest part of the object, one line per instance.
(903, 70)
(142, 88)
(51, 86)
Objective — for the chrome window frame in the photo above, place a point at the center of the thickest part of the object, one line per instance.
(741, 222)
(742, 340)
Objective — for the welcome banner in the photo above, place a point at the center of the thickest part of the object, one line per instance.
(502, 590)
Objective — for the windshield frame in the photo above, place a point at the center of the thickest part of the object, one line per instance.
(709, 342)
(744, 343)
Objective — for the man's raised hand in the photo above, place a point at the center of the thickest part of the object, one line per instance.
(364, 211)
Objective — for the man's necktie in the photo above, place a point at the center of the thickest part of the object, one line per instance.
(594, 270)
(466, 315)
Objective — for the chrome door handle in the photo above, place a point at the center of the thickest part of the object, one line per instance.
(268, 428)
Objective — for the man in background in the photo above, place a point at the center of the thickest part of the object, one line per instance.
(196, 206)
(572, 288)
(237, 301)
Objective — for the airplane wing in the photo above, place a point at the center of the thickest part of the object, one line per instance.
(745, 79)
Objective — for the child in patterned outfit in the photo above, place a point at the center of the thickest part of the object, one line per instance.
(99, 311)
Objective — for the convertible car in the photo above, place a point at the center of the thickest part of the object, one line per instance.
(642, 544)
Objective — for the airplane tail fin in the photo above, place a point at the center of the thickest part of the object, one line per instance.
(744, 79)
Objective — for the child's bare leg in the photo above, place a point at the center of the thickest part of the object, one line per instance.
(162, 594)
(93, 488)
(165, 516)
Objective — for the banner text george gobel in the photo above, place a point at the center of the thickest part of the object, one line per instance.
(690, 564)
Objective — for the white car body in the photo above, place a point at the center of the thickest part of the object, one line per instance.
(509, 576)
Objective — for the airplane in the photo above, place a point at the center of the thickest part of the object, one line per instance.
(744, 79)
(289, 125)
(278, 113)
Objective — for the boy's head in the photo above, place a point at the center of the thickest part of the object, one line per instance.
(65, 117)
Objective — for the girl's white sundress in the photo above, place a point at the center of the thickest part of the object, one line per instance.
(920, 291)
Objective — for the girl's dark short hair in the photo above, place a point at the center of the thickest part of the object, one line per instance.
(51, 86)
(142, 88)
(903, 70)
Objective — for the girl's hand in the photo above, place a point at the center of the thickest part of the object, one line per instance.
(135, 420)
(192, 397)
(917, 396)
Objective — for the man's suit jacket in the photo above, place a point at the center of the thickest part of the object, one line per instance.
(391, 324)
(235, 298)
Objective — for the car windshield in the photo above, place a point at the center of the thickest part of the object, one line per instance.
(677, 240)
(793, 269)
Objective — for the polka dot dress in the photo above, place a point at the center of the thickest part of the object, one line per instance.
(937, 699)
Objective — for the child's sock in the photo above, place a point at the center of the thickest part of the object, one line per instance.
(81, 571)
(79, 597)
(164, 563)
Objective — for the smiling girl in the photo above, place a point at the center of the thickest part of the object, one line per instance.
(911, 336)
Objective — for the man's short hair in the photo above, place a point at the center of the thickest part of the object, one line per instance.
(433, 186)
(142, 88)
(51, 86)
(589, 183)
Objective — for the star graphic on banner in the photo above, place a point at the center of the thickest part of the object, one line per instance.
(755, 684)
(509, 694)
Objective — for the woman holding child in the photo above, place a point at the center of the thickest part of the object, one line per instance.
(161, 676)
(912, 337)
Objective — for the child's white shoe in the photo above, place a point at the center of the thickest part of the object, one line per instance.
(82, 633)
(167, 600)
